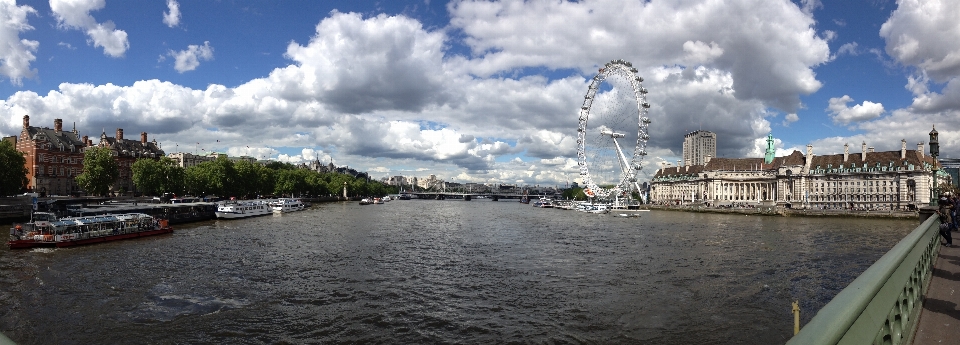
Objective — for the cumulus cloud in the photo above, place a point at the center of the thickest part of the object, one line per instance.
(808, 6)
(189, 59)
(75, 14)
(771, 62)
(848, 48)
(925, 34)
(790, 118)
(17, 54)
(858, 113)
(357, 66)
(172, 18)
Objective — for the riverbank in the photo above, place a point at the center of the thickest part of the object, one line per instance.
(788, 212)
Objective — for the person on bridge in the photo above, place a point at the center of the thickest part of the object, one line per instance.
(946, 222)
(953, 212)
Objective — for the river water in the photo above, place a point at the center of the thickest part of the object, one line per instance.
(418, 272)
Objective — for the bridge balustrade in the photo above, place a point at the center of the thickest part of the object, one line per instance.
(882, 306)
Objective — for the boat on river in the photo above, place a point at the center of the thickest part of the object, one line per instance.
(543, 203)
(594, 208)
(73, 231)
(285, 205)
(243, 209)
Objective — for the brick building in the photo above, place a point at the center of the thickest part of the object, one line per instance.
(53, 157)
(126, 152)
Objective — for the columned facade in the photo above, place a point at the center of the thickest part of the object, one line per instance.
(892, 180)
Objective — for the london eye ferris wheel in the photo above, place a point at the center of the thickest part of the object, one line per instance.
(613, 120)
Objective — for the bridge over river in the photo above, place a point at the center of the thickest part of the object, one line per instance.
(907, 297)
(473, 196)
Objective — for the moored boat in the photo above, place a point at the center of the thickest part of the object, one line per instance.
(243, 209)
(73, 231)
(284, 205)
(365, 201)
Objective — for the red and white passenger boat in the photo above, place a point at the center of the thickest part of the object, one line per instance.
(73, 231)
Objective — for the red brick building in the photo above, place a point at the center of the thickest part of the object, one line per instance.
(126, 152)
(54, 158)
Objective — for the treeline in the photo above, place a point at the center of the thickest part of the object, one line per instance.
(243, 179)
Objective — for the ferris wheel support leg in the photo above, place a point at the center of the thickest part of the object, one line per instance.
(622, 158)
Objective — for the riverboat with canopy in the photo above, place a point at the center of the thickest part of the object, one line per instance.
(72, 231)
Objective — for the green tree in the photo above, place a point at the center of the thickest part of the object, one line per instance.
(575, 193)
(155, 177)
(247, 179)
(100, 171)
(148, 175)
(13, 172)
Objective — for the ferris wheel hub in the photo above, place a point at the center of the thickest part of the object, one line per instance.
(611, 134)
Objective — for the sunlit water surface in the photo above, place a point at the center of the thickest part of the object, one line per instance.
(416, 272)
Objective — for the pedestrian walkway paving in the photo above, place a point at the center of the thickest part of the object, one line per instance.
(940, 317)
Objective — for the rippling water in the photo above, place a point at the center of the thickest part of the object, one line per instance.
(477, 272)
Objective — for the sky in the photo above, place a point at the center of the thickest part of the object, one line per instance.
(480, 91)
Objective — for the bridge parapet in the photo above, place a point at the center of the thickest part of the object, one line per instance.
(881, 306)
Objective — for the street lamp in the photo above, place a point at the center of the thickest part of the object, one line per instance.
(934, 152)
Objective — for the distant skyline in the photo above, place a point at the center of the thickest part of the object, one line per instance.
(480, 91)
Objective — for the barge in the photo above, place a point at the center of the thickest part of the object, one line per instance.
(74, 231)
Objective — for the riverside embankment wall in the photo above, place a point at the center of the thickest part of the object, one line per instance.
(787, 212)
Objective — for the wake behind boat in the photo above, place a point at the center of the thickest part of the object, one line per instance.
(74, 231)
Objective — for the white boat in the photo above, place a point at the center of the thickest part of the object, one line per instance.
(594, 208)
(377, 201)
(365, 201)
(243, 209)
(284, 205)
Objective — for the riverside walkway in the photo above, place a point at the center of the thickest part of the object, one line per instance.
(940, 317)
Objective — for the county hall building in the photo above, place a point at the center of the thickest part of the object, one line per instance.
(891, 180)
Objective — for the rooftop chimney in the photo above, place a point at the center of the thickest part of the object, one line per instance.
(26, 121)
(870, 149)
(903, 148)
(143, 137)
(809, 155)
(119, 134)
(920, 149)
(85, 140)
(846, 152)
(58, 125)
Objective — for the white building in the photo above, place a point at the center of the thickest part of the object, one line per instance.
(698, 146)
(869, 180)
(186, 159)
